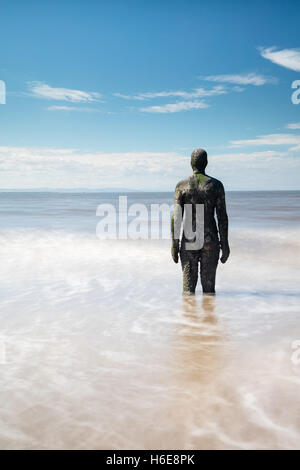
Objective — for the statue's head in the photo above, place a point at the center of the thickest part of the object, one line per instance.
(199, 160)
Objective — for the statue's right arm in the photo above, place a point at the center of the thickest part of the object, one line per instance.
(222, 223)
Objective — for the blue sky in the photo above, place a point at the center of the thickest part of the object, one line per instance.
(118, 93)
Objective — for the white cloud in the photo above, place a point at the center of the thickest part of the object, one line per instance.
(72, 108)
(175, 107)
(129, 97)
(270, 139)
(32, 167)
(196, 93)
(239, 89)
(243, 156)
(194, 99)
(42, 90)
(266, 170)
(295, 125)
(288, 58)
(241, 79)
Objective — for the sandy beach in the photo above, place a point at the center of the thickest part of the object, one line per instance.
(101, 351)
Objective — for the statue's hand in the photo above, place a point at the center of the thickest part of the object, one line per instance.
(225, 253)
(175, 251)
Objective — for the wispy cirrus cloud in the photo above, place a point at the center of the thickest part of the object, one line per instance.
(196, 98)
(293, 125)
(175, 107)
(138, 97)
(72, 108)
(241, 79)
(42, 90)
(242, 156)
(189, 99)
(270, 140)
(195, 93)
(288, 58)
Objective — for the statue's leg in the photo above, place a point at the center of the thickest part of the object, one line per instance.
(189, 264)
(209, 257)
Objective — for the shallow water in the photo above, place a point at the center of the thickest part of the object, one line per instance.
(100, 351)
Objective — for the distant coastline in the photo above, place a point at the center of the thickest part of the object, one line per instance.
(128, 190)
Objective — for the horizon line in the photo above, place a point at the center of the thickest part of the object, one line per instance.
(118, 190)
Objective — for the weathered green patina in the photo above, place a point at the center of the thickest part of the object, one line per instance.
(201, 189)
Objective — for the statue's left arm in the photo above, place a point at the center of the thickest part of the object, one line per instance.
(176, 223)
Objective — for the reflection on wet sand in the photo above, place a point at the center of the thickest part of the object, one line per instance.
(199, 343)
(199, 361)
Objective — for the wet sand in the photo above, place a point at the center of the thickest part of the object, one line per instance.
(99, 350)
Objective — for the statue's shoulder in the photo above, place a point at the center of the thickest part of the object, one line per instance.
(216, 183)
(184, 185)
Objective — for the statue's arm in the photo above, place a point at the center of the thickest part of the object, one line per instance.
(176, 222)
(222, 223)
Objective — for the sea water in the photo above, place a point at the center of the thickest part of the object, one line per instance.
(99, 350)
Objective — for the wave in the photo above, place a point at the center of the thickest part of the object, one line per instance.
(97, 344)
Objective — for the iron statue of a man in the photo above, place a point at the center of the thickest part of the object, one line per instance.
(196, 190)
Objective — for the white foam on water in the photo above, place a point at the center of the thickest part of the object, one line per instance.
(99, 350)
